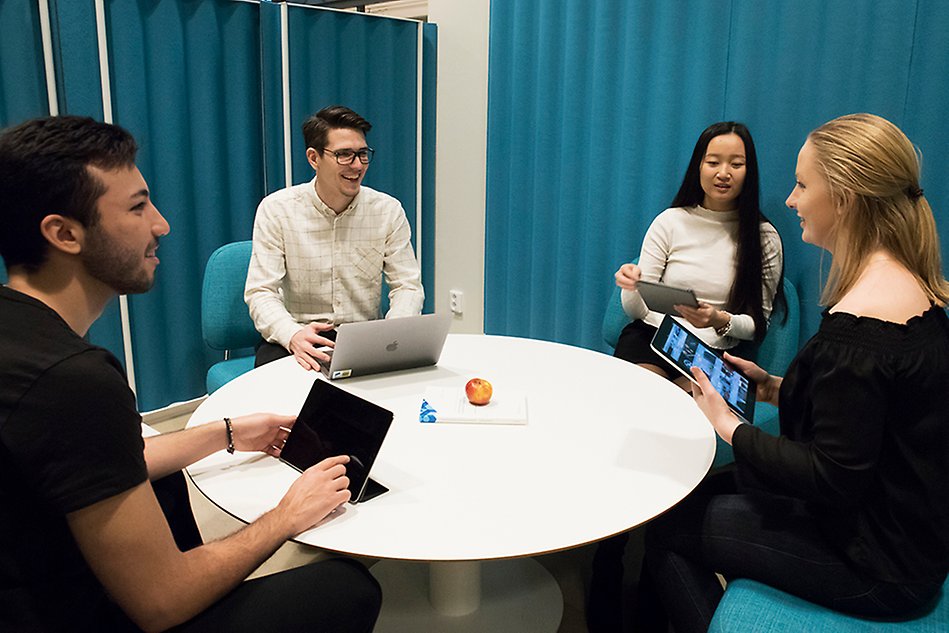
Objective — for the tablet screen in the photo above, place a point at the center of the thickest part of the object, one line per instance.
(336, 422)
(684, 350)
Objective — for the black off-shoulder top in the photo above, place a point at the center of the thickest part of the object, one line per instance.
(865, 440)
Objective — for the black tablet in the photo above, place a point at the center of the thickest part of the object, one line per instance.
(336, 422)
(662, 298)
(683, 349)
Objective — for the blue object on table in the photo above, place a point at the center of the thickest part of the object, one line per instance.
(427, 413)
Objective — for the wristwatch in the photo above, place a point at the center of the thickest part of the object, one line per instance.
(725, 329)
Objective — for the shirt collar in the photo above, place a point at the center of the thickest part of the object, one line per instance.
(322, 206)
(722, 216)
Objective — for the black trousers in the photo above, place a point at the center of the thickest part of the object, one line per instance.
(172, 494)
(333, 596)
(765, 537)
(337, 595)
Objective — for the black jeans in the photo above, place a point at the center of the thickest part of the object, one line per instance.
(774, 540)
(337, 595)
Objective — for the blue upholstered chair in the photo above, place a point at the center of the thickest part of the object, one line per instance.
(225, 322)
(775, 354)
(752, 606)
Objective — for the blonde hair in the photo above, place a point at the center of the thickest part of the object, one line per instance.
(872, 171)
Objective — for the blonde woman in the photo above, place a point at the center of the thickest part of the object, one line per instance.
(849, 507)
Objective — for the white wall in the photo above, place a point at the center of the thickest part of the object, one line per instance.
(460, 156)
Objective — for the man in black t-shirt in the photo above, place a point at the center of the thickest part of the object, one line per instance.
(84, 545)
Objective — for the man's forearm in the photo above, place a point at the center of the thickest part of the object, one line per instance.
(131, 550)
(171, 452)
(216, 568)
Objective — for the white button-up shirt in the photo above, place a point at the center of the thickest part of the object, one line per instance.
(310, 264)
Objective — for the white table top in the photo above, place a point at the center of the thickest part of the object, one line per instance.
(607, 446)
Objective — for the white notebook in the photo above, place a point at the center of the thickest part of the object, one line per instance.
(450, 405)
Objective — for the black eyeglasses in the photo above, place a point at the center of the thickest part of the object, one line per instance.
(347, 156)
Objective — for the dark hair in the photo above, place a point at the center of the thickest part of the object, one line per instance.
(745, 296)
(43, 170)
(317, 127)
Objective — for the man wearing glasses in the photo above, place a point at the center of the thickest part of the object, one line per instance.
(321, 248)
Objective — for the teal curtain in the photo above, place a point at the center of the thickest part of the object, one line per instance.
(818, 60)
(185, 81)
(22, 73)
(76, 55)
(272, 97)
(924, 118)
(429, 79)
(594, 106)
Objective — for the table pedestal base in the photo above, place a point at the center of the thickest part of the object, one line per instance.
(516, 596)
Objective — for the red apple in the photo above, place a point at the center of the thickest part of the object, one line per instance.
(478, 391)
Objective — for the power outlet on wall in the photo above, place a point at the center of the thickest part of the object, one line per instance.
(456, 301)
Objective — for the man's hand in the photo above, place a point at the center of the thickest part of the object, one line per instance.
(704, 315)
(714, 406)
(304, 344)
(768, 386)
(264, 432)
(317, 492)
(628, 276)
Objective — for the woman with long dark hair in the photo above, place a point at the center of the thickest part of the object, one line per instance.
(715, 240)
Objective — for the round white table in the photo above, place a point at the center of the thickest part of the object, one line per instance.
(607, 447)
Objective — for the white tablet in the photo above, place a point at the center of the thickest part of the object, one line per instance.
(662, 298)
(683, 350)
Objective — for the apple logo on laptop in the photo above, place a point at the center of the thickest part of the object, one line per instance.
(391, 347)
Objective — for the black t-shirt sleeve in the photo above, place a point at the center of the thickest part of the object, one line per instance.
(76, 435)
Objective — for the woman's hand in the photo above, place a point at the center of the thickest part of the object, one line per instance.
(628, 276)
(704, 315)
(714, 406)
(768, 386)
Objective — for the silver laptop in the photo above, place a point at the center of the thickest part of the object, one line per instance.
(371, 347)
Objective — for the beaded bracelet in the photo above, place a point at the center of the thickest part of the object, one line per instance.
(230, 435)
